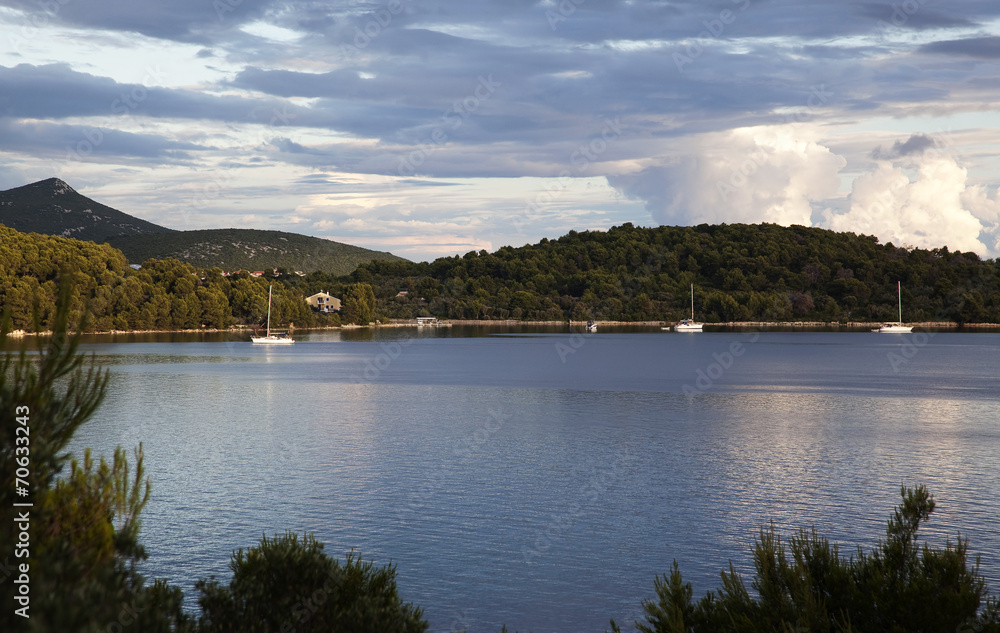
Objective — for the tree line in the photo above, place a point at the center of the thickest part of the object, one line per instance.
(80, 572)
(740, 273)
(161, 295)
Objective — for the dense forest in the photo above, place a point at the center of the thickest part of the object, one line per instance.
(162, 295)
(740, 273)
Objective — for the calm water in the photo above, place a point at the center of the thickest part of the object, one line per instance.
(542, 479)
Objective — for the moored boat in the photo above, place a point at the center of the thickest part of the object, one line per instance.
(268, 338)
(896, 328)
(689, 325)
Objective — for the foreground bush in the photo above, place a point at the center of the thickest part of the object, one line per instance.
(900, 587)
(285, 584)
(76, 569)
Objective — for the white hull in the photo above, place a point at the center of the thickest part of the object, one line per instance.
(271, 340)
(890, 328)
(688, 327)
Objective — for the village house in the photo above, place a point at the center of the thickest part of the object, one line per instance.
(324, 302)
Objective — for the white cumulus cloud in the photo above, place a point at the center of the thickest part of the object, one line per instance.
(916, 194)
(756, 174)
(936, 208)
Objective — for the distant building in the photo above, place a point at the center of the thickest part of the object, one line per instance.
(402, 294)
(135, 266)
(324, 302)
(257, 273)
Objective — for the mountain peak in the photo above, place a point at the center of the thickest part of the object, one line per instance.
(58, 186)
(52, 207)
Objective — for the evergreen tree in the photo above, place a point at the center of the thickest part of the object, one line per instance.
(900, 587)
(358, 304)
(80, 533)
(285, 584)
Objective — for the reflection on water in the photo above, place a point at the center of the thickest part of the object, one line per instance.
(512, 483)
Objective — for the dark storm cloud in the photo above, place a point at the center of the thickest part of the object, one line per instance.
(56, 92)
(557, 68)
(917, 144)
(590, 21)
(70, 143)
(915, 14)
(980, 47)
(405, 73)
(180, 20)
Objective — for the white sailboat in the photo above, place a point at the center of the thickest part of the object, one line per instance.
(896, 328)
(689, 325)
(271, 339)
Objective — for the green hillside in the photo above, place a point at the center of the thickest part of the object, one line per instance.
(755, 272)
(248, 249)
(741, 272)
(52, 207)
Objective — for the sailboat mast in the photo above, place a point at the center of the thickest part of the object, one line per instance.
(269, 310)
(899, 293)
(692, 302)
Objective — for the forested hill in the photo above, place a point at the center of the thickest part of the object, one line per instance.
(248, 249)
(162, 295)
(740, 272)
(52, 207)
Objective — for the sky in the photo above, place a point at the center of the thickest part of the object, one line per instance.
(430, 128)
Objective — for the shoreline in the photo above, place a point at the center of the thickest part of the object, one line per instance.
(852, 325)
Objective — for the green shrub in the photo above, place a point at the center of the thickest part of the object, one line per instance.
(286, 584)
(807, 586)
(82, 526)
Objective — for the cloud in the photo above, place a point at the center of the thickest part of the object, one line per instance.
(425, 247)
(916, 144)
(932, 210)
(287, 145)
(67, 144)
(913, 14)
(309, 98)
(978, 47)
(181, 20)
(785, 176)
(56, 91)
(760, 174)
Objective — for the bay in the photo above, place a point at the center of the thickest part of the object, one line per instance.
(540, 478)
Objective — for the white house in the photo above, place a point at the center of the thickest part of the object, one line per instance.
(324, 302)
